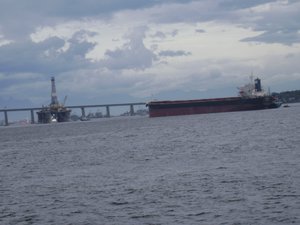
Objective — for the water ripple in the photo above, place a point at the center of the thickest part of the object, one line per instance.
(227, 168)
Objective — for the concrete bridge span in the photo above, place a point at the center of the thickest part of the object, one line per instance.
(82, 107)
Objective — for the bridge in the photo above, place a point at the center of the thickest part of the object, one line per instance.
(82, 107)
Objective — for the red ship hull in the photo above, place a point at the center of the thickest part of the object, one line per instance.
(200, 106)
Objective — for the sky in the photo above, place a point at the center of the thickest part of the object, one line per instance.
(119, 51)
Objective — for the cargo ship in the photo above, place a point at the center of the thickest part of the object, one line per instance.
(251, 97)
(55, 112)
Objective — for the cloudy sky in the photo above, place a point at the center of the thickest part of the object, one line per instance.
(116, 51)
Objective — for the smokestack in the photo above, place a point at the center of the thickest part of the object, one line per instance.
(54, 100)
(257, 85)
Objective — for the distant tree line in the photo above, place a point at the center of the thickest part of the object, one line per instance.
(288, 96)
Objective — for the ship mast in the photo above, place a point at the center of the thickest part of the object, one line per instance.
(54, 100)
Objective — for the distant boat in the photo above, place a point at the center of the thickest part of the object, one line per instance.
(84, 118)
(53, 120)
(286, 106)
(251, 97)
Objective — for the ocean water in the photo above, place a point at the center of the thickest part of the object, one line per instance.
(224, 168)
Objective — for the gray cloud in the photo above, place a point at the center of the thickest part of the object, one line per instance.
(163, 35)
(20, 18)
(33, 13)
(132, 55)
(200, 31)
(174, 33)
(238, 4)
(44, 57)
(10, 102)
(171, 53)
(160, 35)
(279, 24)
(284, 37)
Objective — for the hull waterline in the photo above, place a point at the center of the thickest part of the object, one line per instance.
(201, 106)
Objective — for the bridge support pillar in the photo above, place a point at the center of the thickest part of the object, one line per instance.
(5, 118)
(107, 111)
(82, 112)
(32, 116)
(131, 110)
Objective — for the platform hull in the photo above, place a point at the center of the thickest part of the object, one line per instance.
(200, 106)
(46, 116)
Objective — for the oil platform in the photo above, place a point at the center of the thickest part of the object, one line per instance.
(55, 112)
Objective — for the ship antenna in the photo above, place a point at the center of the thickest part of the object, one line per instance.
(251, 77)
(54, 100)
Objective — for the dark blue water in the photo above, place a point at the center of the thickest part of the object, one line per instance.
(226, 168)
